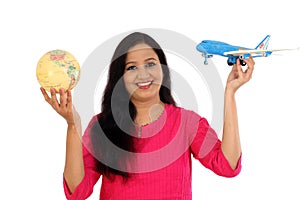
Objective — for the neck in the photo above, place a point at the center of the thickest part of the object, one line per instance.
(148, 112)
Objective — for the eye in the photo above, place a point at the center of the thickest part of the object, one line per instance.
(131, 68)
(150, 64)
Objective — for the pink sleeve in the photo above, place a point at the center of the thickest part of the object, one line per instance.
(91, 176)
(206, 147)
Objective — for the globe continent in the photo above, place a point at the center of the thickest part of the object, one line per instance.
(58, 69)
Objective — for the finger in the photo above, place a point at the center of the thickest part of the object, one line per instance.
(46, 96)
(238, 62)
(250, 61)
(239, 70)
(69, 99)
(250, 64)
(63, 97)
(54, 101)
(234, 67)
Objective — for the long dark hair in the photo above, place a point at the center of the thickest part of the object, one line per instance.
(115, 123)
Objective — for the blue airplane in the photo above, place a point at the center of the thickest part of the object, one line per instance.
(208, 48)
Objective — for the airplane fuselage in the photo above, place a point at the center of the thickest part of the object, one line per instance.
(216, 47)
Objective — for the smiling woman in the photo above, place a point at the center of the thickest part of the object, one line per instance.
(141, 142)
(143, 75)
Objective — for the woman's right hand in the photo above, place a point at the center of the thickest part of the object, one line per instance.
(64, 106)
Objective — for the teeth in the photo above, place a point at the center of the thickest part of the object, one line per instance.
(144, 84)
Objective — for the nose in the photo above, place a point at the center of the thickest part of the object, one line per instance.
(143, 73)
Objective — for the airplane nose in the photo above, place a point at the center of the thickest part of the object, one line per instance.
(200, 48)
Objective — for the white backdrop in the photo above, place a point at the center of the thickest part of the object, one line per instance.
(33, 136)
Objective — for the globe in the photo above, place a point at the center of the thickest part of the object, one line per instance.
(58, 69)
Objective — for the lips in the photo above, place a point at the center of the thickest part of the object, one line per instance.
(144, 85)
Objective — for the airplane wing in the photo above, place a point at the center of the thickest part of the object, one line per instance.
(255, 51)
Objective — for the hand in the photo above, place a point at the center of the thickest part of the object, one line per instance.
(64, 106)
(238, 77)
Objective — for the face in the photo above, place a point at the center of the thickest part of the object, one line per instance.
(143, 73)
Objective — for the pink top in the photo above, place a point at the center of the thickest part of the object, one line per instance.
(163, 167)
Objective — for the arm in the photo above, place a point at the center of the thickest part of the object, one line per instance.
(206, 147)
(231, 146)
(74, 167)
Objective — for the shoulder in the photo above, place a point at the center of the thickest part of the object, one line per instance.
(173, 110)
(90, 129)
(93, 119)
(91, 123)
(184, 117)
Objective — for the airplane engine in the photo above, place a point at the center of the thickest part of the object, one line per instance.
(232, 60)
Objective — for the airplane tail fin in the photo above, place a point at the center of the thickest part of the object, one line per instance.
(263, 45)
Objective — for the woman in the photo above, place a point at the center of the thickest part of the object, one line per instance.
(140, 116)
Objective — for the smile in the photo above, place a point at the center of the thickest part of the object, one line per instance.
(144, 85)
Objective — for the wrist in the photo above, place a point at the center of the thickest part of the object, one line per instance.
(74, 129)
(71, 124)
(74, 125)
(229, 92)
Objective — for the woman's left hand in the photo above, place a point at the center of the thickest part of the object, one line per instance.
(238, 77)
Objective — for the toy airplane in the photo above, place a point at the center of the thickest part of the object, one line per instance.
(211, 47)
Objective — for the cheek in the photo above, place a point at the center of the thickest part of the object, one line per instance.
(159, 76)
(128, 79)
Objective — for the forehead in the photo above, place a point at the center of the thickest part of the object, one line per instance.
(140, 51)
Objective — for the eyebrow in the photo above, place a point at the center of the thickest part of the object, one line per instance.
(133, 62)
